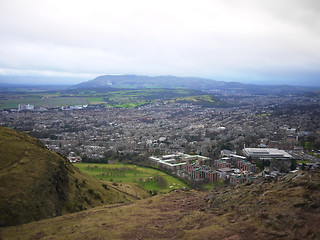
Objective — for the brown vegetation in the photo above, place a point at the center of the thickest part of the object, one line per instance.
(283, 209)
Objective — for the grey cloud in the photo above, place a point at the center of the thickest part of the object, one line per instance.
(244, 40)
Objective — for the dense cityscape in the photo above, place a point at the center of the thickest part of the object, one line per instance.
(95, 133)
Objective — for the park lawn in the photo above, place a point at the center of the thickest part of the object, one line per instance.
(150, 179)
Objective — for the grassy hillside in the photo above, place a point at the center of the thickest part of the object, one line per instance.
(36, 183)
(288, 208)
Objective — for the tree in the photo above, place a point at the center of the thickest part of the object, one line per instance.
(303, 167)
(260, 165)
(283, 169)
(293, 165)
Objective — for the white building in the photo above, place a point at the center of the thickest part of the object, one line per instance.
(266, 153)
(73, 158)
(176, 161)
(22, 107)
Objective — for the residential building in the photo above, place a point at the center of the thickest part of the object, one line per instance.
(221, 163)
(242, 177)
(246, 166)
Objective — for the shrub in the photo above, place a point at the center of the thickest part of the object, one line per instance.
(91, 191)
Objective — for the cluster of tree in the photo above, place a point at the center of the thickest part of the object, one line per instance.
(130, 158)
(107, 174)
(69, 128)
(293, 165)
(310, 143)
(87, 159)
(261, 164)
(192, 138)
(43, 134)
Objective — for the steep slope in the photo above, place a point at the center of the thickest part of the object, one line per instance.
(288, 208)
(36, 183)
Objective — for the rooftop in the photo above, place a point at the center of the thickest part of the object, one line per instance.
(266, 152)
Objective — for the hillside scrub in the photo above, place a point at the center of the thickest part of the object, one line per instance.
(284, 209)
(36, 183)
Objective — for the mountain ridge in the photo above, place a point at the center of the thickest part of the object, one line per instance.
(142, 81)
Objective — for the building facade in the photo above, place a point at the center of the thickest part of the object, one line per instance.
(242, 177)
(246, 166)
(266, 153)
(221, 163)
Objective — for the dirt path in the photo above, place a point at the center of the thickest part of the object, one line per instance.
(15, 161)
(135, 197)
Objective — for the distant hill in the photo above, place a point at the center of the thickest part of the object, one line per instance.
(36, 183)
(138, 82)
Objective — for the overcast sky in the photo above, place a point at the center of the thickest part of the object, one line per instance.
(264, 42)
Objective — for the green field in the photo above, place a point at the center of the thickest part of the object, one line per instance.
(95, 100)
(203, 100)
(206, 98)
(111, 98)
(150, 179)
(39, 101)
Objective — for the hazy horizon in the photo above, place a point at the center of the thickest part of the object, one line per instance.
(265, 42)
(71, 81)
